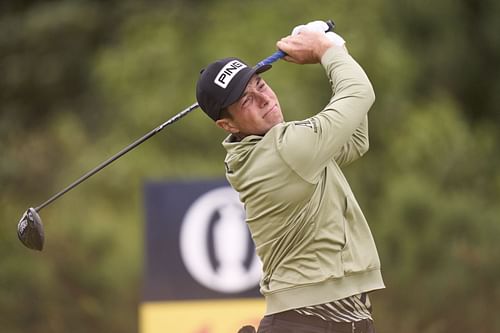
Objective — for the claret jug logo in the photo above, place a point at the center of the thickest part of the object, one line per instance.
(215, 244)
(201, 271)
(228, 72)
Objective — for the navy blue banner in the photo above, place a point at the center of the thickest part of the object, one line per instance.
(197, 243)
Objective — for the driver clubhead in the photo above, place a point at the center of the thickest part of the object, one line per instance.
(30, 230)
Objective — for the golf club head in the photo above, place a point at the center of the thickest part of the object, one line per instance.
(30, 230)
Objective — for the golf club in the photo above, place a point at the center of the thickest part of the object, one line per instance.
(30, 227)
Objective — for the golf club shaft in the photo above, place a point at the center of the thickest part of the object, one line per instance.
(269, 60)
(118, 155)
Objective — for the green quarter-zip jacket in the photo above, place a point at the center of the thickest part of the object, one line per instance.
(309, 231)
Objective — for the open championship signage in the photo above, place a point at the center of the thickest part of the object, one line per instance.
(201, 272)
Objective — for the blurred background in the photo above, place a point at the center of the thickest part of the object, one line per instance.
(79, 80)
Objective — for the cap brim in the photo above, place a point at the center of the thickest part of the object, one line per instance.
(262, 69)
(242, 84)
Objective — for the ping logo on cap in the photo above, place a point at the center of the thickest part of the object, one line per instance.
(228, 72)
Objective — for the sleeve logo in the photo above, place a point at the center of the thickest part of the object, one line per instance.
(310, 123)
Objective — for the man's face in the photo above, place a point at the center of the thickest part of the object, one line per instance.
(255, 113)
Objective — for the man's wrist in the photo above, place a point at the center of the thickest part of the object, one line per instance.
(322, 47)
(333, 51)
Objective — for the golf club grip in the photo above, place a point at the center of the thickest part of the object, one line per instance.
(331, 25)
(272, 58)
(280, 54)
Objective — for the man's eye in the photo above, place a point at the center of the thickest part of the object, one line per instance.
(262, 86)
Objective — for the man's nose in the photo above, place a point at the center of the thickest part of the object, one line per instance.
(264, 100)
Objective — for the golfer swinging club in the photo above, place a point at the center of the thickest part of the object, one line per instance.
(319, 257)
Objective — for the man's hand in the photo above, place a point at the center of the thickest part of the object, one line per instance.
(306, 47)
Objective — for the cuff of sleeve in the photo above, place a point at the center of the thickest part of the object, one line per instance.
(332, 54)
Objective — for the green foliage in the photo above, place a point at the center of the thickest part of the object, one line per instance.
(437, 223)
(81, 79)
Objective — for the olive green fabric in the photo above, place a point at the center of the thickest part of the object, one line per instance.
(309, 231)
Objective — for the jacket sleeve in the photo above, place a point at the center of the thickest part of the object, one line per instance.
(340, 130)
(356, 147)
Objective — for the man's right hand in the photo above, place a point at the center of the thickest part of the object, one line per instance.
(306, 47)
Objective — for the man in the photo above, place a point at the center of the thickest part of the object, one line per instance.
(319, 257)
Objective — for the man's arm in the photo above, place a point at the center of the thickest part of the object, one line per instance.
(307, 149)
(356, 147)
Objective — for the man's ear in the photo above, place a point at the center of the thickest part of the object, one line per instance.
(227, 125)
